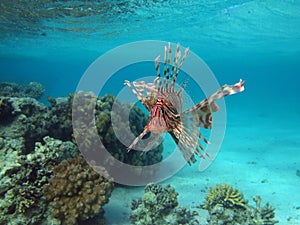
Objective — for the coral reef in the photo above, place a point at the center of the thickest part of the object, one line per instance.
(159, 205)
(29, 119)
(31, 90)
(103, 107)
(76, 192)
(58, 117)
(22, 178)
(23, 118)
(227, 205)
(34, 138)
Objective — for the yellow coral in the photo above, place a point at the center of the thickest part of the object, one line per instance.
(225, 195)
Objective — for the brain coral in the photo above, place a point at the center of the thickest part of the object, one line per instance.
(77, 192)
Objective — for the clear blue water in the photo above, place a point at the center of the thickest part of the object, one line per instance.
(54, 43)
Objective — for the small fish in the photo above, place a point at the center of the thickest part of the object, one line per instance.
(165, 105)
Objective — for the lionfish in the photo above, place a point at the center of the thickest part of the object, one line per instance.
(165, 105)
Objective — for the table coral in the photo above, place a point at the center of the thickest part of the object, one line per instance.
(76, 192)
(159, 205)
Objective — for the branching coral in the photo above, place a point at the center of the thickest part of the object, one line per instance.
(227, 205)
(263, 216)
(226, 195)
(77, 192)
(159, 205)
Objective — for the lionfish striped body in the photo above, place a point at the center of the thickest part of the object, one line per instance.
(166, 107)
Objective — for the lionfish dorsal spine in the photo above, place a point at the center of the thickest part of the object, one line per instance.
(151, 90)
(167, 69)
(138, 94)
(178, 62)
(157, 81)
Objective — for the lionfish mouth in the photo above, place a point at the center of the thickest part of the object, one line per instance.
(165, 106)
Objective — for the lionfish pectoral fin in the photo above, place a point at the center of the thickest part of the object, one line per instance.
(233, 89)
(188, 155)
(199, 153)
(136, 140)
(150, 144)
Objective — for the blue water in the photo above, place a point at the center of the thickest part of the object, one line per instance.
(258, 41)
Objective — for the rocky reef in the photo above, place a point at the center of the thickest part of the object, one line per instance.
(159, 205)
(226, 205)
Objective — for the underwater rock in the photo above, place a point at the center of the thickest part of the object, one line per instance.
(31, 90)
(227, 205)
(22, 178)
(76, 192)
(159, 205)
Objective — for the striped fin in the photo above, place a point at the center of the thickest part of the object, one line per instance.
(187, 153)
(137, 94)
(177, 66)
(151, 90)
(136, 140)
(138, 90)
(176, 60)
(167, 61)
(186, 135)
(157, 65)
(208, 103)
(139, 86)
(157, 81)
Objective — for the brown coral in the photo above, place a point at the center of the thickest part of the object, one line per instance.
(77, 192)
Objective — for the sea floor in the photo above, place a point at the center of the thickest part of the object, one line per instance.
(259, 156)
